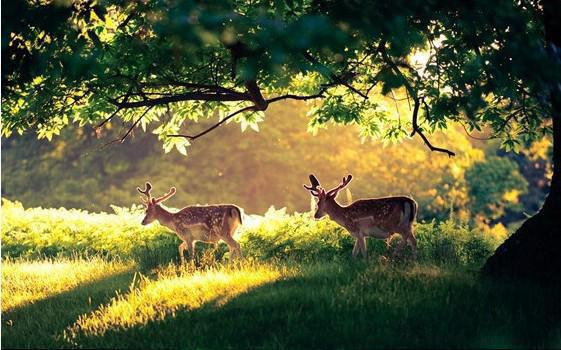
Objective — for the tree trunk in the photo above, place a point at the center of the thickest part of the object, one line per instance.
(534, 250)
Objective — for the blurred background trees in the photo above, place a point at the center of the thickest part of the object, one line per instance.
(257, 170)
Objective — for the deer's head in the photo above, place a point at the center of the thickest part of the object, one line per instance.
(325, 199)
(151, 203)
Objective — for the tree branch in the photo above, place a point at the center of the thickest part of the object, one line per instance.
(189, 96)
(418, 130)
(417, 103)
(204, 132)
(251, 108)
(256, 96)
(337, 79)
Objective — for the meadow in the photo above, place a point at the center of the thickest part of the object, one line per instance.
(76, 279)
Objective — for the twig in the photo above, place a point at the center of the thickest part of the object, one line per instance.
(417, 103)
(418, 130)
(107, 119)
(250, 108)
(204, 132)
(475, 137)
(122, 139)
(335, 77)
(135, 124)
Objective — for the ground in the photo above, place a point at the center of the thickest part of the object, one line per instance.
(344, 304)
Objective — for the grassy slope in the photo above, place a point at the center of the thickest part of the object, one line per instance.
(297, 288)
(335, 305)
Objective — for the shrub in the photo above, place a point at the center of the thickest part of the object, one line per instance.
(38, 232)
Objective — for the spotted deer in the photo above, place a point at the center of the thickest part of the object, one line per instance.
(375, 217)
(208, 223)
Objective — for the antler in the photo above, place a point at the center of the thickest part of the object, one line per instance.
(165, 196)
(146, 190)
(345, 182)
(315, 189)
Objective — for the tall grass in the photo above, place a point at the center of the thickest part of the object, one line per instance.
(38, 232)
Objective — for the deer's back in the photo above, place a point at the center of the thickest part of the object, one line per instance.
(204, 213)
(382, 207)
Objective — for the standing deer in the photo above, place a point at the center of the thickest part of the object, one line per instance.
(376, 217)
(209, 223)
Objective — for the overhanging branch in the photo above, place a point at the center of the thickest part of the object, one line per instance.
(417, 103)
(418, 130)
(206, 131)
(189, 96)
(250, 108)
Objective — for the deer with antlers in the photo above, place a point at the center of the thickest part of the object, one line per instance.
(375, 217)
(208, 223)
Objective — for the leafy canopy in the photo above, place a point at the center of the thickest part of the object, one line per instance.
(164, 62)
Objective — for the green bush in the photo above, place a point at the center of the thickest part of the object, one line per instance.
(38, 232)
(451, 242)
(278, 235)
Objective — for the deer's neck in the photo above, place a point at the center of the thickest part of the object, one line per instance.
(336, 212)
(165, 217)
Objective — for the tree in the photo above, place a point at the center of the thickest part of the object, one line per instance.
(251, 173)
(165, 62)
(494, 186)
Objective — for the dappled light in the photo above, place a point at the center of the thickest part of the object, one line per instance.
(27, 282)
(156, 300)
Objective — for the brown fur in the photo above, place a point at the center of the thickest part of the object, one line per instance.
(208, 223)
(375, 217)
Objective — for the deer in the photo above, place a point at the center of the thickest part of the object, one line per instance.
(199, 223)
(374, 217)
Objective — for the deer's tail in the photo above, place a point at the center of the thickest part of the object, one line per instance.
(413, 210)
(236, 213)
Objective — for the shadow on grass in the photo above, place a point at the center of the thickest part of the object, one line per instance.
(40, 324)
(358, 307)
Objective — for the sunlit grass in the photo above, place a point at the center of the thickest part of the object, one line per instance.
(25, 282)
(343, 304)
(156, 299)
(296, 288)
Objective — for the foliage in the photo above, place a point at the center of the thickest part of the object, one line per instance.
(299, 237)
(277, 235)
(494, 186)
(40, 232)
(224, 167)
(164, 63)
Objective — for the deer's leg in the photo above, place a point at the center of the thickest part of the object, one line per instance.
(360, 246)
(191, 249)
(362, 241)
(355, 248)
(228, 230)
(412, 241)
(234, 247)
(182, 248)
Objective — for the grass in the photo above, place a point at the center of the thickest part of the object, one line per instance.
(271, 305)
(41, 298)
(72, 279)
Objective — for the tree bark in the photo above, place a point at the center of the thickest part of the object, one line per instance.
(534, 250)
